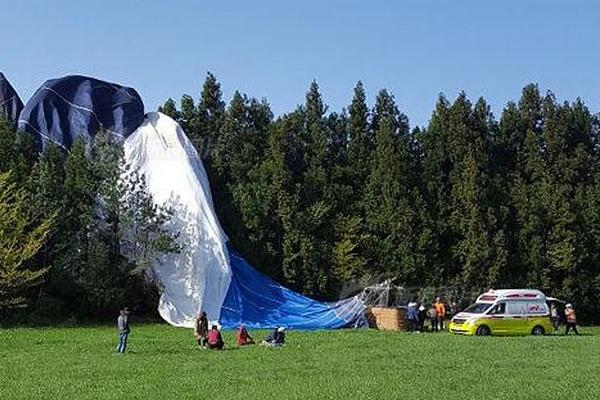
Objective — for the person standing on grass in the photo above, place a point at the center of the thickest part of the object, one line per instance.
(440, 309)
(554, 318)
(201, 329)
(432, 316)
(214, 340)
(413, 317)
(123, 328)
(571, 318)
(422, 317)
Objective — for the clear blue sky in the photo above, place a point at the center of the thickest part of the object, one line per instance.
(273, 49)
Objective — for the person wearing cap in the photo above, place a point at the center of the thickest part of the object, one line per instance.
(123, 329)
(201, 329)
(440, 309)
(243, 337)
(412, 316)
(276, 338)
(571, 318)
(214, 340)
(422, 317)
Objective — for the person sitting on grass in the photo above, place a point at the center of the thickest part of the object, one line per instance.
(243, 337)
(201, 329)
(276, 338)
(123, 328)
(214, 340)
(571, 318)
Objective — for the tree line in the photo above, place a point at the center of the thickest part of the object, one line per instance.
(317, 198)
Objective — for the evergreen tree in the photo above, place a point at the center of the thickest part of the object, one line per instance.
(169, 109)
(20, 241)
(437, 167)
(210, 117)
(24, 157)
(392, 218)
(7, 140)
(361, 142)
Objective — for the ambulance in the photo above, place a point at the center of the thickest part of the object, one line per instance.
(505, 312)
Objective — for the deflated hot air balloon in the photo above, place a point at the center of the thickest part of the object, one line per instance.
(207, 275)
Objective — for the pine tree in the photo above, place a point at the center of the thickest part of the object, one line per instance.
(45, 192)
(7, 140)
(71, 260)
(188, 118)
(24, 157)
(392, 218)
(210, 117)
(169, 109)
(20, 241)
(472, 220)
(360, 145)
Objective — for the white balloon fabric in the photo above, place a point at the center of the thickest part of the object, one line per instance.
(207, 275)
(198, 277)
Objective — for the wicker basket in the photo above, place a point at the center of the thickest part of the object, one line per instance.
(387, 318)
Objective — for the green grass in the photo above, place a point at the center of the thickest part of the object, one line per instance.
(79, 363)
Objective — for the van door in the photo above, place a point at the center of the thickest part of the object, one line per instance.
(497, 316)
(517, 321)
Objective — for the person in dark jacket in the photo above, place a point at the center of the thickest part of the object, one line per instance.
(422, 318)
(276, 338)
(123, 329)
(214, 340)
(554, 316)
(201, 329)
(412, 315)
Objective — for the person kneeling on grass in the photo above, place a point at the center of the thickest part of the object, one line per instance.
(214, 340)
(123, 328)
(201, 329)
(275, 338)
(243, 337)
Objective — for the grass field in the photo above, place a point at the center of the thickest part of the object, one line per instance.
(79, 363)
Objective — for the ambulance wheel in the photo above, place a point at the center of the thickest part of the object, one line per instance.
(483, 331)
(538, 330)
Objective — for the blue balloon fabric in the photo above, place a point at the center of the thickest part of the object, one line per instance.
(258, 302)
(64, 109)
(10, 103)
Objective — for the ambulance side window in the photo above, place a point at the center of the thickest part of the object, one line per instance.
(498, 309)
(516, 308)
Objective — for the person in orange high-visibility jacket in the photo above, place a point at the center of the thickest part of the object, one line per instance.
(571, 318)
(440, 309)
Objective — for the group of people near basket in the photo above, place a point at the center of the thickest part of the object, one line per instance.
(436, 313)
(212, 338)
